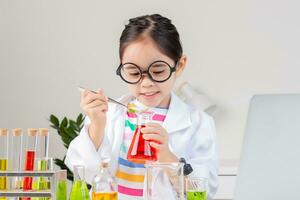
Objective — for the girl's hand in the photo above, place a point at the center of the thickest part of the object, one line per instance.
(95, 107)
(159, 139)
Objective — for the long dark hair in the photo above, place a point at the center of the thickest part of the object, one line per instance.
(160, 29)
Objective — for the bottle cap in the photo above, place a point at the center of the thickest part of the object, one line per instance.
(43, 131)
(105, 162)
(17, 132)
(61, 174)
(32, 131)
(3, 132)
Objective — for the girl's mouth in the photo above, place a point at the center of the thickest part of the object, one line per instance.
(149, 94)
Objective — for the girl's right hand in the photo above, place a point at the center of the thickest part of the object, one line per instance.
(95, 107)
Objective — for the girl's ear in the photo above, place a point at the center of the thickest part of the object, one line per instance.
(181, 65)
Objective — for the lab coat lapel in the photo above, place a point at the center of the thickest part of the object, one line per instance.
(178, 116)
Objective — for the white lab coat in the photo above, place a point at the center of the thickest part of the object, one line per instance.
(191, 136)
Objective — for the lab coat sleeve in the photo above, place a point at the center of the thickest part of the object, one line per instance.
(203, 158)
(82, 151)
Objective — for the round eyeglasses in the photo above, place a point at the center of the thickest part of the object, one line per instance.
(158, 71)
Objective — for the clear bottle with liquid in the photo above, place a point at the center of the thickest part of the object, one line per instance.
(3, 158)
(79, 189)
(140, 150)
(104, 185)
(61, 185)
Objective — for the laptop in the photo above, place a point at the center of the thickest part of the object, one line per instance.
(270, 158)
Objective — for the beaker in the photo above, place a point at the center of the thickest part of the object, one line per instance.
(164, 181)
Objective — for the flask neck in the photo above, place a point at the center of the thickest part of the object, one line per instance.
(79, 173)
(144, 117)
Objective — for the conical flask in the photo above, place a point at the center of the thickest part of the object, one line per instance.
(104, 186)
(79, 189)
(140, 150)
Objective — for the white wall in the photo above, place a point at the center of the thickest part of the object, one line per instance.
(235, 49)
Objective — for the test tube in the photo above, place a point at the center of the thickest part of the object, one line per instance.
(31, 143)
(44, 163)
(43, 183)
(16, 152)
(42, 149)
(3, 157)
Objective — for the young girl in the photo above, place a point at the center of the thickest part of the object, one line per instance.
(151, 60)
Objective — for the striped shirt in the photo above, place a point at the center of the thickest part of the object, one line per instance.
(130, 175)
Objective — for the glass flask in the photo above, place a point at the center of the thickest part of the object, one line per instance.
(104, 185)
(196, 188)
(140, 150)
(79, 189)
(164, 181)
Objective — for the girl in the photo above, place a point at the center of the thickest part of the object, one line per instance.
(151, 60)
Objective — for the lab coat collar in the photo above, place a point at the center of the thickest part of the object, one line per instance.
(178, 116)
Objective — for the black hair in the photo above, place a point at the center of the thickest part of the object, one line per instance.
(160, 29)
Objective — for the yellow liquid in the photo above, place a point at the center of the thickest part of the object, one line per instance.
(104, 196)
(3, 179)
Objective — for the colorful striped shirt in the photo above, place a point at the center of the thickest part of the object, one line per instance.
(130, 175)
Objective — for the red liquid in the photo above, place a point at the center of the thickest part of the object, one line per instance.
(29, 166)
(140, 150)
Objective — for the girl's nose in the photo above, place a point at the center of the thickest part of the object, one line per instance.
(146, 81)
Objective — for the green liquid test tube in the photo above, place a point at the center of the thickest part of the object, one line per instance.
(61, 185)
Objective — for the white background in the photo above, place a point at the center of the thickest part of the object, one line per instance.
(235, 49)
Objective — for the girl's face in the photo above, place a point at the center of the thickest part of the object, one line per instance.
(150, 93)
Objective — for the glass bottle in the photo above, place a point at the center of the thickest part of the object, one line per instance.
(79, 189)
(140, 150)
(3, 158)
(104, 185)
(61, 185)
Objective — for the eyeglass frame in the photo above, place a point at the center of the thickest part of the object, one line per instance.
(172, 69)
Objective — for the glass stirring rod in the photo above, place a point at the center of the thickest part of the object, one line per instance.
(81, 89)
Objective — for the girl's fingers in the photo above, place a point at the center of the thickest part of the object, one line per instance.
(157, 130)
(151, 124)
(95, 103)
(156, 145)
(84, 93)
(91, 109)
(92, 96)
(154, 137)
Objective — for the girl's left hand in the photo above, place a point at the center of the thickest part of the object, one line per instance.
(159, 139)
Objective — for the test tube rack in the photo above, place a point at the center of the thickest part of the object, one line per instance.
(30, 193)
